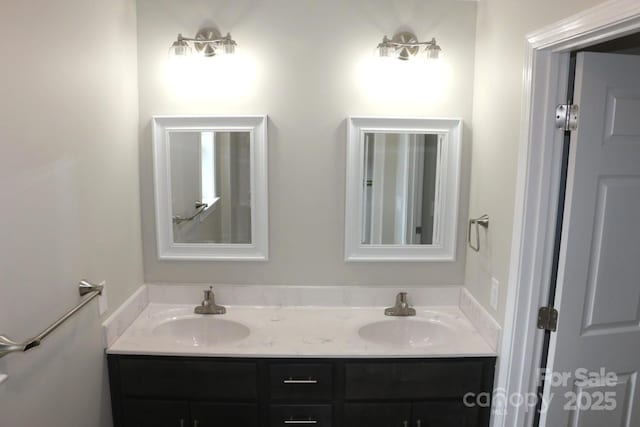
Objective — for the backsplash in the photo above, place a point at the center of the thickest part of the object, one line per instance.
(124, 316)
(480, 318)
(300, 296)
(319, 296)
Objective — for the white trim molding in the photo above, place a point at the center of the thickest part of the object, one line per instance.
(256, 126)
(546, 72)
(447, 189)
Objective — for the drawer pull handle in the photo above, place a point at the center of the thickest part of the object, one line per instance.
(300, 381)
(300, 422)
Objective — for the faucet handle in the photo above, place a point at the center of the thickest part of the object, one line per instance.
(401, 299)
(208, 305)
(401, 308)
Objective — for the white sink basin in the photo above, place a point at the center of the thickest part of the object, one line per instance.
(406, 332)
(201, 331)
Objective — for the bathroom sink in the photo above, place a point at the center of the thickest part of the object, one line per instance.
(201, 331)
(406, 332)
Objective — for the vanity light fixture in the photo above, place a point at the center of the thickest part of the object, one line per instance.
(207, 42)
(405, 44)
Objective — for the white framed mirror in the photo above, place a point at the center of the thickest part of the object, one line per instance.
(403, 180)
(210, 177)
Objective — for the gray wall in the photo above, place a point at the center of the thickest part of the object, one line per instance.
(500, 52)
(308, 64)
(69, 196)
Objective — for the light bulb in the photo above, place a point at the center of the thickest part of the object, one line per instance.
(179, 48)
(228, 45)
(433, 50)
(385, 48)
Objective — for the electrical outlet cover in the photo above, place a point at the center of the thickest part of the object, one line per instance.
(495, 286)
(102, 300)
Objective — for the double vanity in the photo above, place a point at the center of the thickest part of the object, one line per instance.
(277, 356)
(294, 364)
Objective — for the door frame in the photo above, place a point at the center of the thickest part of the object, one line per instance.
(545, 80)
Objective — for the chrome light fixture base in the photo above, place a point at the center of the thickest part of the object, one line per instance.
(205, 41)
(208, 42)
(405, 45)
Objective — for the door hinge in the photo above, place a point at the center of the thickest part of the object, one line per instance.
(567, 116)
(547, 318)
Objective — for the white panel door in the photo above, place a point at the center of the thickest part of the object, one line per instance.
(598, 293)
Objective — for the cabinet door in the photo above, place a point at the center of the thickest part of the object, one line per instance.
(223, 415)
(377, 414)
(151, 378)
(401, 380)
(223, 380)
(155, 413)
(445, 414)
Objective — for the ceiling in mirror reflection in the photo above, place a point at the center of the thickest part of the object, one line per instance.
(210, 186)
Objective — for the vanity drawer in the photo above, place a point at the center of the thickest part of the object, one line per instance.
(413, 380)
(301, 381)
(223, 380)
(300, 415)
(153, 378)
(189, 378)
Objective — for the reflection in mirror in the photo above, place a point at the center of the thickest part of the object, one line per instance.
(210, 187)
(210, 176)
(400, 188)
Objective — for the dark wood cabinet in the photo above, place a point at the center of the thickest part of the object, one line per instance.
(150, 391)
(223, 415)
(412, 380)
(445, 414)
(163, 413)
(154, 413)
(377, 414)
(431, 414)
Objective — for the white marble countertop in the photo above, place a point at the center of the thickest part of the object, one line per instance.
(305, 332)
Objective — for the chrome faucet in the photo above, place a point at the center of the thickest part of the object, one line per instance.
(401, 308)
(208, 305)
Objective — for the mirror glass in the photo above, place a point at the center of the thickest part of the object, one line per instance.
(211, 187)
(402, 189)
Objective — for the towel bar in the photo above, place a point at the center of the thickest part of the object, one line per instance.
(9, 346)
(482, 221)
